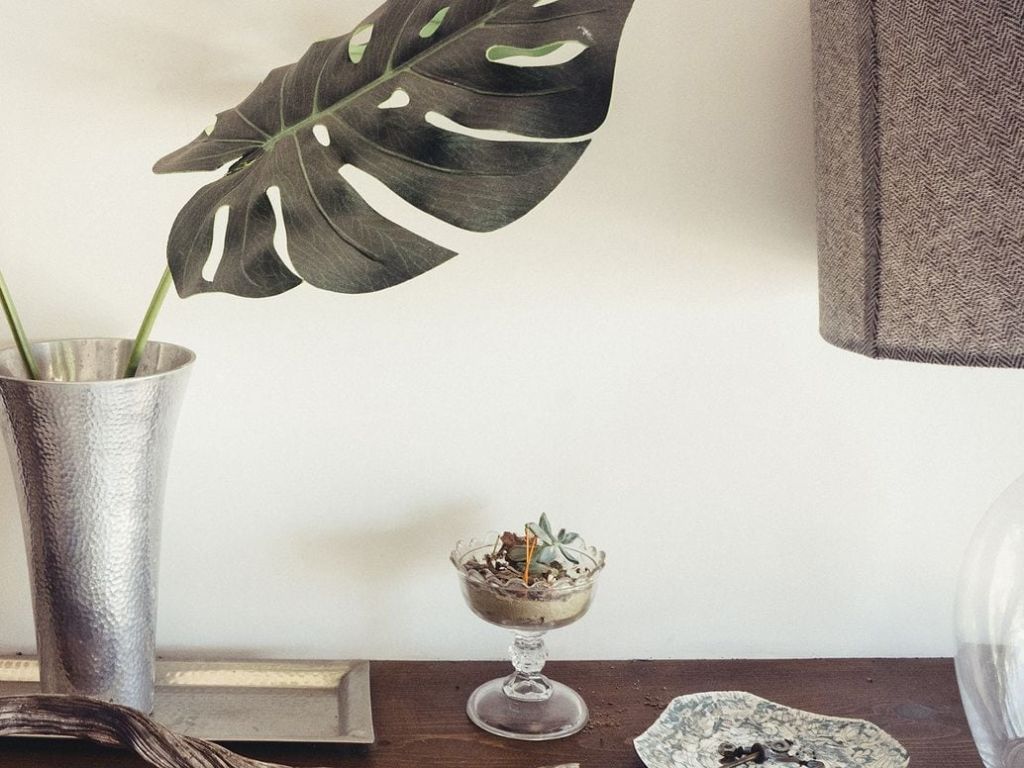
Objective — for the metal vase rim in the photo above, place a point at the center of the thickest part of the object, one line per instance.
(12, 367)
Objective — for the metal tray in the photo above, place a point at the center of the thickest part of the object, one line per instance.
(307, 701)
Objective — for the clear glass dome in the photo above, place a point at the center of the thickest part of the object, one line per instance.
(990, 632)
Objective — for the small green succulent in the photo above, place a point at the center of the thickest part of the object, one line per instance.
(551, 545)
(550, 554)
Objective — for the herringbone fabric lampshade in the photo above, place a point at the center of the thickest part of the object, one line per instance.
(920, 162)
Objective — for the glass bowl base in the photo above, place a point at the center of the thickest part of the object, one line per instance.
(562, 714)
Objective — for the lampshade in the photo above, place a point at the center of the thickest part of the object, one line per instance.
(920, 162)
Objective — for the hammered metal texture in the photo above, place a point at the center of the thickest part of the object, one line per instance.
(89, 453)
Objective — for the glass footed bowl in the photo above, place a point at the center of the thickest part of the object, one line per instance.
(526, 704)
(507, 602)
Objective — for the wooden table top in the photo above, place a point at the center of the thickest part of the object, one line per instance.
(420, 720)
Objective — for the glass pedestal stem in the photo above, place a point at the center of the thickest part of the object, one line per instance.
(528, 654)
(526, 704)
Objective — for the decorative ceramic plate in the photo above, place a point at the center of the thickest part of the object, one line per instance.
(692, 728)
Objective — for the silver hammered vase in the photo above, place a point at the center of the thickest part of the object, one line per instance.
(90, 452)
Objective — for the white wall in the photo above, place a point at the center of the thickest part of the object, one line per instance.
(638, 357)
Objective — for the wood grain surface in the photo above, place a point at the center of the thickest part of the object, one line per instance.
(419, 713)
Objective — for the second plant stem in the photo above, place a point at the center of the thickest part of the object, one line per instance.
(147, 324)
(14, 322)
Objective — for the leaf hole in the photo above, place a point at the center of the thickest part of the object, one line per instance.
(220, 231)
(280, 234)
(550, 55)
(397, 100)
(210, 128)
(542, 3)
(431, 27)
(445, 123)
(358, 41)
(393, 207)
(322, 135)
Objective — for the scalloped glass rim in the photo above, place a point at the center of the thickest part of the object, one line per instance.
(463, 549)
(667, 743)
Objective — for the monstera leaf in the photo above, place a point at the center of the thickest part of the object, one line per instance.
(471, 110)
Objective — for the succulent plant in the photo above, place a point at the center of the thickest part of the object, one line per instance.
(537, 555)
(540, 552)
(551, 545)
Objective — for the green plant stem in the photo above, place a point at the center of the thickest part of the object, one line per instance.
(142, 337)
(17, 331)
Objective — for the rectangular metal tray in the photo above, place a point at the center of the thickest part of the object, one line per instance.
(307, 701)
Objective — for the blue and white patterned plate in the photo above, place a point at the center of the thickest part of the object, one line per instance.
(688, 734)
